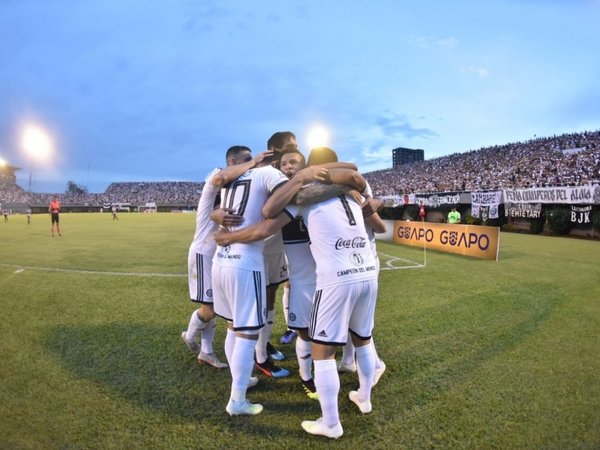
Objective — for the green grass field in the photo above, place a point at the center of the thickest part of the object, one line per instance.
(480, 354)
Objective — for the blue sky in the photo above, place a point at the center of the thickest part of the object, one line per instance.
(144, 90)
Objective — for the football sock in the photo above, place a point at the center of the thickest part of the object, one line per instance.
(286, 302)
(378, 361)
(208, 335)
(241, 367)
(229, 344)
(348, 352)
(195, 327)
(365, 362)
(327, 382)
(304, 355)
(263, 337)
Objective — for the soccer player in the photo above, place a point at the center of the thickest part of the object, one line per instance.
(301, 265)
(374, 224)
(345, 295)
(54, 210)
(276, 272)
(202, 249)
(238, 276)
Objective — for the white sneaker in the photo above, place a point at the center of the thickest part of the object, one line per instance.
(364, 406)
(238, 408)
(318, 427)
(212, 360)
(192, 346)
(253, 382)
(350, 368)
(378, 373)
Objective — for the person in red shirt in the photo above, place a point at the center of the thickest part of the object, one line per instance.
(54, 209)
(422, 212)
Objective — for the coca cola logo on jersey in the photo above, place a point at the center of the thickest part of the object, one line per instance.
(357, 242)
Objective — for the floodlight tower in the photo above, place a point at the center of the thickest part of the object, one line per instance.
(37, 145)
(317, 137)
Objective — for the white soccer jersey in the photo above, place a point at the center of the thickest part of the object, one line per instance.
(301, 264)
(339, 241)
(203, 241)
(246, 196)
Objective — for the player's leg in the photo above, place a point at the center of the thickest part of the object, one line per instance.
(203, 321)
(196, 291)
(361, 325)
(248, 319)
(300, 307)
(328, 329)
(289, 334)
(348, 362)
(327, 382)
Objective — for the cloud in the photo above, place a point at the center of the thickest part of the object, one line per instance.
(395, 126)
(447, 43)
(479, 71)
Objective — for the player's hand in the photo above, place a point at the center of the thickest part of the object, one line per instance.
(262, 156)
(221, 237)
(314, 173)
(225, 217)
(371, 206)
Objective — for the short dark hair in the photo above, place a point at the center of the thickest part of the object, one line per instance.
(279, 139)
(236, 149)
(321, 155)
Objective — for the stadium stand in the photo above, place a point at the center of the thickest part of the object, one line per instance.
(568, 159)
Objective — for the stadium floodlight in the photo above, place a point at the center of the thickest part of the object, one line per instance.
(37, 145)
(2, 162)
(317, 137)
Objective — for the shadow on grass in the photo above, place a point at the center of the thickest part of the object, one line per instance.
(450, 342)
(149, 367)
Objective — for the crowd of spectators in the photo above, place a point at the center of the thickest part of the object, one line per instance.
(568, 159)
(170, 193)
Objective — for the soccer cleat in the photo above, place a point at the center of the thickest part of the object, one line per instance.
(273, 353)
(192, 346)
(378, 373)
(212, 360)
(288, 337)
(318, 427)
(364, 406)
(243, 408)
(310, 389)
(350, 368)
(271, 370)
(252, 382)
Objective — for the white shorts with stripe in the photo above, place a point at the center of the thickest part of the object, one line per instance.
(240, 297)
(337, 309)
(199, 277)
(301, 302)
(276, 268)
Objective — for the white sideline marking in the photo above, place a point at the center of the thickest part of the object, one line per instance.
(95, 272)
(390, 263)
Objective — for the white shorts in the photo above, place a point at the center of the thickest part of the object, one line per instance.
(342, 308)
(300, 306)
(276, 268)
(240, 297)
(199, 277)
